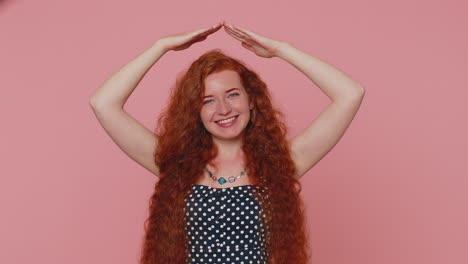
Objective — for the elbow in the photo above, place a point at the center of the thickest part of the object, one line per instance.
(95, 103)
(360, 89)
(356, 96)
(92, 102)
(363, 91)
(360, 92)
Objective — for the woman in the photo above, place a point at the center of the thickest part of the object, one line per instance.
(228, 189)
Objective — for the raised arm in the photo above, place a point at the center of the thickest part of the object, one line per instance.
(322, 134)
(132, 137)
(135, 140)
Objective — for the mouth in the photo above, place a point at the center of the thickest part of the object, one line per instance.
(227, 120)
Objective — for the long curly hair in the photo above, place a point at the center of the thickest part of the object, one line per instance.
(185, 147)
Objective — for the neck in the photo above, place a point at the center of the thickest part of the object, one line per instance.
(228, 149)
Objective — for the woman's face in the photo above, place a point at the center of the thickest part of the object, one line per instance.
(225, 111)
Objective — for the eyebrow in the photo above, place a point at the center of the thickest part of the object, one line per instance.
(232, 89)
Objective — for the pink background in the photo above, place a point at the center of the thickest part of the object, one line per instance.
(393, 190)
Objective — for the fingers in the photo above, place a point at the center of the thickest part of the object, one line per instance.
(234, 34)
(239, 36)
(215, 28)
(230, 29)
(249, 42)
(207, 31)
(246, 32)
(241, 31)
(217, 25)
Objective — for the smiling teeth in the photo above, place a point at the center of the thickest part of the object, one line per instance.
(227, 120)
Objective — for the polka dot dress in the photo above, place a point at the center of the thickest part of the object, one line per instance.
(225, 225)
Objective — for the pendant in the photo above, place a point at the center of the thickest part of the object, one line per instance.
(222, 180)
(231, 179)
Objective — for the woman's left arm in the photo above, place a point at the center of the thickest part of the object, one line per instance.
(324, 132)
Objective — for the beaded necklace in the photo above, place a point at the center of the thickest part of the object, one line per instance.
(222, 180)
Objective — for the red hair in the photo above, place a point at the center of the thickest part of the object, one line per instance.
(185, 147)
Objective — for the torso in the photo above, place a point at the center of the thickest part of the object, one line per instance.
(225, 223)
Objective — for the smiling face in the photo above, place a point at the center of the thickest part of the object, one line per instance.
(225, 110)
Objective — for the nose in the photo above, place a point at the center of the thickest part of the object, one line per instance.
(224, 108)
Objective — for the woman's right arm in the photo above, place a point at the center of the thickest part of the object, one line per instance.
(134, 139)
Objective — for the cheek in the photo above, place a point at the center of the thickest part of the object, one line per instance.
(242, 105)
(206, 114)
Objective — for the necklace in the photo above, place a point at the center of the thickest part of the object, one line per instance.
(222, 180)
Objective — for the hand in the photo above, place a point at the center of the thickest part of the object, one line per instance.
(262, 46)
(184, 40)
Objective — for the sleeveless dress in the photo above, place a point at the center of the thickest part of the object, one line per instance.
(225, 226)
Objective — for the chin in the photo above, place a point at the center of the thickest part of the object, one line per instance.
(227, 137)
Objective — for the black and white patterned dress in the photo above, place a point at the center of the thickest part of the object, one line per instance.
(225, 225)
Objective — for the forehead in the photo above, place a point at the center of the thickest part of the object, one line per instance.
(221, 81)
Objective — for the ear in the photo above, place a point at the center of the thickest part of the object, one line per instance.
(251, 105)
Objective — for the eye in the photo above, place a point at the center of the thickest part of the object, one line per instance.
(208, 101)
(234, 94)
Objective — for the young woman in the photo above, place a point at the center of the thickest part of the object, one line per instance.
(228, 189)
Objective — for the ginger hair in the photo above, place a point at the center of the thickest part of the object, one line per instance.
(185, 147)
